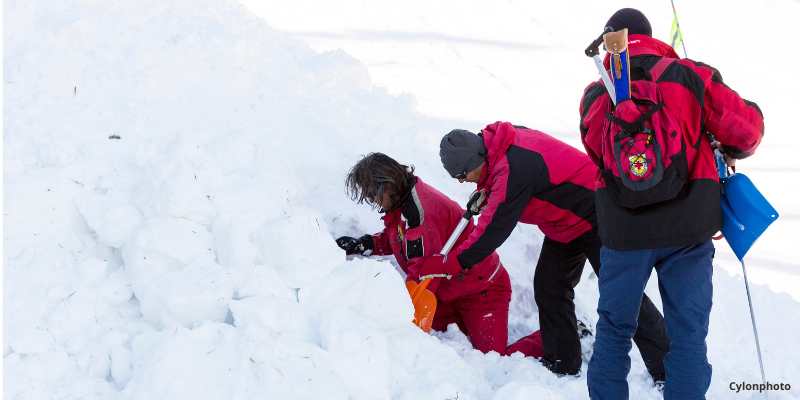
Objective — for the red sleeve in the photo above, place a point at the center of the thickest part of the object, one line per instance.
(381, 244)
(593, 108)
(735, 122)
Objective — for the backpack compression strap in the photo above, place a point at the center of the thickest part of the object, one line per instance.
(658, 70)
(630, 128)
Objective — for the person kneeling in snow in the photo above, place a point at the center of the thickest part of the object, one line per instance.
(533, 178)
(418, 221)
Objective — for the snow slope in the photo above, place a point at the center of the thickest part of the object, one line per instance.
(474, 62)
(172, 184)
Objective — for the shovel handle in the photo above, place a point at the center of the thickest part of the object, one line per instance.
(461, 224)
(594, 47)
(429, 277)
(424, 284)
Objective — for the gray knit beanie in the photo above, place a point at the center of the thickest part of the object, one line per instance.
(461, 151)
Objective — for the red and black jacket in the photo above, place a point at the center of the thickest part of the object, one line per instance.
(699, 99)
(533, 178)
(420, 228)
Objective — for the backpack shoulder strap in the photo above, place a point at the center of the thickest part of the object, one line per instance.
(657, 71)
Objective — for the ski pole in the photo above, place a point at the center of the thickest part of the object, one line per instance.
(723, 174)
(755, 332)
(675, 13)
(593, 51)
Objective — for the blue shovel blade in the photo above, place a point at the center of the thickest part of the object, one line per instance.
(746, 214)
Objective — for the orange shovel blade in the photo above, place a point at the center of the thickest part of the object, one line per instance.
(424, 304)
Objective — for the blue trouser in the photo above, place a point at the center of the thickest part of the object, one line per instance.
(684, 280)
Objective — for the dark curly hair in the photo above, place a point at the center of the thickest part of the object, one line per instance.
(377, 174)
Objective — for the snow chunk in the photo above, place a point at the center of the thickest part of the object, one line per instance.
(49, 366)
(199, 292)
(72, 314)
(170, 262)
(218, 361)
(92, 270)
(121, 367)
(522, 390)
(238, 192)
(371, 288)
(165, 244)
(360, 353)
(267, 282)
(235, 253)
(423, 366)
(30, 340)
(114, 290)
(299, 246)
(114, 216)
(280, 315)
(171, 187)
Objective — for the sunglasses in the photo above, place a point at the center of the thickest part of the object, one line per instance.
(463, 175)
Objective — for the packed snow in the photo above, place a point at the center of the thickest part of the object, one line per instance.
(173, 182)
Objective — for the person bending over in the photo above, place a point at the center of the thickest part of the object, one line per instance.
(533, 178)
(418, 220)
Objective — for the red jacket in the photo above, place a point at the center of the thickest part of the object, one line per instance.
(698, 98)
(533, 178)
(420, 228)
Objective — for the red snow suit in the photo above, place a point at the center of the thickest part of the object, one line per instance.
(419, 228)
(478, 299)
(532, 178)
(698, 98)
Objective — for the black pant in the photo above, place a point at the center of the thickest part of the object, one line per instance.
(557, 273)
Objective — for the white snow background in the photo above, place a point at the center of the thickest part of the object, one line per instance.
(193, 257)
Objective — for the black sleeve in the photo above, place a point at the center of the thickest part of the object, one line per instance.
(414, 215)
(526, 174)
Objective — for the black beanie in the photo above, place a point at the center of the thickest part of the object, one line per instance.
(632, 19)
(461, 151)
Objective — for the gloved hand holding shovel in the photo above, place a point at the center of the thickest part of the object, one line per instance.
(438, 266)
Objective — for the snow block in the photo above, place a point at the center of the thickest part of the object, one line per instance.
(92, 270)
(234, 251)
(30, 341)
(267, 282)
(114, 291)
(121, 367)
(360, 353)
(219, 361)
(299, 246)
(114, 216)
(239, 192)
(522, 390)
(171, 187)
(423, 367)
(199, 292)
(280, 315)
(371, 288)
(165, 244)
(73, 314)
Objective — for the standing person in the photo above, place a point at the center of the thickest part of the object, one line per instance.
(672, 234)
(418, 221)
(533, 178)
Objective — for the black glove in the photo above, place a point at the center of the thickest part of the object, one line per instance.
(363, 245)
